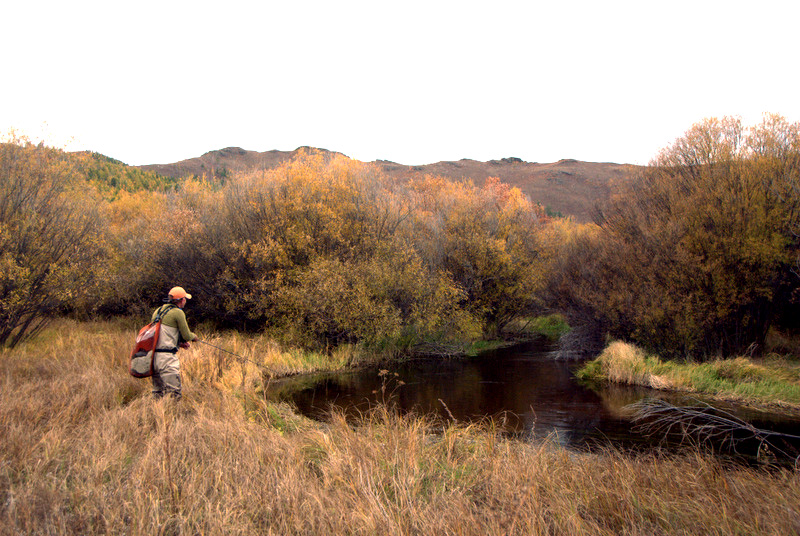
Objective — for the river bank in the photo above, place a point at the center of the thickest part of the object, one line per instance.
(86, 450)
(770, 383)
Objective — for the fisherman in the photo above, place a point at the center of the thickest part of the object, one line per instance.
(174, 334)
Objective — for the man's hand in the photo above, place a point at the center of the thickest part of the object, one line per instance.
(184, 345)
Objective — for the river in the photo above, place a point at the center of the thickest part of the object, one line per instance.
(526, 389)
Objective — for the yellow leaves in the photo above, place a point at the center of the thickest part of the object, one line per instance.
(484, 238)
(339, 301)
(775, 138)
(695, 254)
(49, 225)
(374, 300)
(323, 242)
(128, 209)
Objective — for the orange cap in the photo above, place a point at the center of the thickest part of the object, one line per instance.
(177, 293)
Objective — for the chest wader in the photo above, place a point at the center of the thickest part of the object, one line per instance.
(166, 366)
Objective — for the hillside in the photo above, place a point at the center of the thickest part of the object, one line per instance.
(567, 187)
(110, 176)
(223, 163)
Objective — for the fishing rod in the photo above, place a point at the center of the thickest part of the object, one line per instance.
(229, 352)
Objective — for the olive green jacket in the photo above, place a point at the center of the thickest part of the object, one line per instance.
(174, 329)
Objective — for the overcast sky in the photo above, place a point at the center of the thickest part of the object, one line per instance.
(410, 81)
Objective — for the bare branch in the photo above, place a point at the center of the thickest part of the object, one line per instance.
(712, 427)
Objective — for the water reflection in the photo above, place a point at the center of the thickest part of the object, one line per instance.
(526, 390)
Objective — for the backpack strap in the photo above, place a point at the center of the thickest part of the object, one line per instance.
(164, 309)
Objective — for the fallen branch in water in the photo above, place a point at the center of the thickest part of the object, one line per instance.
(713, 427)
(433, 349)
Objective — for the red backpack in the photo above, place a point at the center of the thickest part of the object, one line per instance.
(140, 362)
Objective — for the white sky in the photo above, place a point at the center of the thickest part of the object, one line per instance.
(411, 81)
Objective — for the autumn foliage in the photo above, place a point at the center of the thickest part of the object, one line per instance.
(51, 237)
(325, 250)
(695, 256)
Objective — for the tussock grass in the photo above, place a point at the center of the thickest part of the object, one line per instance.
(772, 381)
(86, 450)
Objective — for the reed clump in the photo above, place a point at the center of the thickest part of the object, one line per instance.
(86, 450)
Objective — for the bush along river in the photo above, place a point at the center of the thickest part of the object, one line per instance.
(528, 393)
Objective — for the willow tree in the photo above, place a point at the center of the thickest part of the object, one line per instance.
(484, 238)
(699, 249)
(50, 237)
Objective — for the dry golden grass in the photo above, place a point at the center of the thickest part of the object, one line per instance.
(85, 450)
(625, 363)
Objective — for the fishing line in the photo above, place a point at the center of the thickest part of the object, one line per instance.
(229, 352)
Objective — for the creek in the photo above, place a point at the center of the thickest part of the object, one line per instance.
(526, 390)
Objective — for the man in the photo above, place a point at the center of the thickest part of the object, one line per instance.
(175, 333)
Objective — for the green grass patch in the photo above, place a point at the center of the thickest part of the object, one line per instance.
(552, 327)
(479, 347)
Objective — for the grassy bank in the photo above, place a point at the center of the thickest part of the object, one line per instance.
(87, 451)
(772, 381)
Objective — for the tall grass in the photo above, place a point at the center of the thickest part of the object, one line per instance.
(86, 450)
(769, 382)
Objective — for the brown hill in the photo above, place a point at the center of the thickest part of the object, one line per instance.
(224, 162)
(568, 187)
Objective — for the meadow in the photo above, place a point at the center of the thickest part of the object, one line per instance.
(86, 450)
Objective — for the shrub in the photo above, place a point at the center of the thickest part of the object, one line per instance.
(694, 257)
(52, 244)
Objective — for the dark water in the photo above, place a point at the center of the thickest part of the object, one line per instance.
(526, 391)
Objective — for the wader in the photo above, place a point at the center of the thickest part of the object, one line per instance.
(166, 375)
(166, 366)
